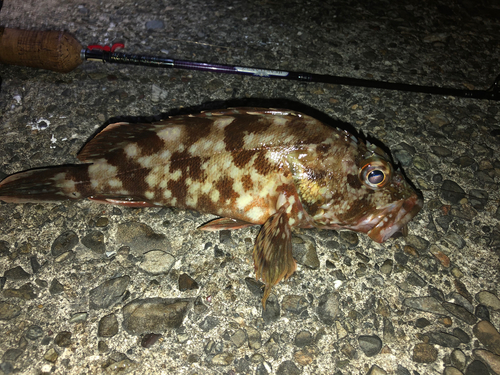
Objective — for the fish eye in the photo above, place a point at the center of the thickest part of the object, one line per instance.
(375, 173)
(375, 177)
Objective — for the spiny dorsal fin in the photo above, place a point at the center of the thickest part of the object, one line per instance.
(251, 111)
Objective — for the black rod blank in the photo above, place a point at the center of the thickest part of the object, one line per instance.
(492, 93)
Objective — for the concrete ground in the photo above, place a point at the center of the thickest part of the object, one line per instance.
(81, 291)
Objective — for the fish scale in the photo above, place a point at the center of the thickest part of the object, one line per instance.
(252, 166)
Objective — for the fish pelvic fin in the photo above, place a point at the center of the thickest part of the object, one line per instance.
(224, 223)
(272, 253)
(52, 184)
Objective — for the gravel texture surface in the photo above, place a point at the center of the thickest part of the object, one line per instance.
(90, 289)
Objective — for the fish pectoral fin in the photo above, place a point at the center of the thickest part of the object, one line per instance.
(121, 201)
(272, 252)
(225, 223)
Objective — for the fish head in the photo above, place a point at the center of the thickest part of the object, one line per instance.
(349, 184)
(392, 202)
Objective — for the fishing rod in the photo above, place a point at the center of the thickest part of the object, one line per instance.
(59, 51)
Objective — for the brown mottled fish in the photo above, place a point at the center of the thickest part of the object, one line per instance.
(252, 166)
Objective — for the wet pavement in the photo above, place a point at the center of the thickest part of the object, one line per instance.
(89, 288)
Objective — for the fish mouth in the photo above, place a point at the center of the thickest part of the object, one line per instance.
(394, 218)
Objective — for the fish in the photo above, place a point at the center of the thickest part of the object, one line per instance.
(277, 168)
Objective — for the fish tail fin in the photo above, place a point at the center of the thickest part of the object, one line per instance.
(46, 185)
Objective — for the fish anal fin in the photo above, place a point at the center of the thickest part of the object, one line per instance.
(272, 252)
(224, 223)
(121, 201)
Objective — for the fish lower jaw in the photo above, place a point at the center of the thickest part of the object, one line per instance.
(403, 213)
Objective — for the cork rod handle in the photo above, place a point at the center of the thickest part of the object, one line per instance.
(52, 50)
